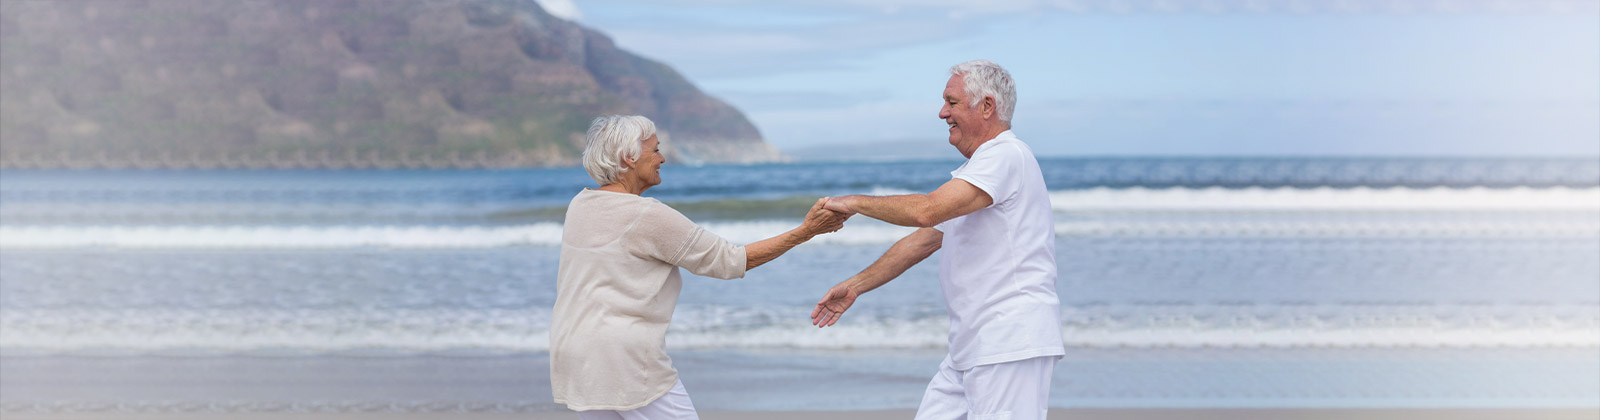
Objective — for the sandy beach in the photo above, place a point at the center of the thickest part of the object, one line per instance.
(1059, 414)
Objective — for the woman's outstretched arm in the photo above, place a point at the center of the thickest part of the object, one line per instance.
(818, 221)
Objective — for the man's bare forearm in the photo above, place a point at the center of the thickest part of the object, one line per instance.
(912, 210)
(906, 252)
(954, 199)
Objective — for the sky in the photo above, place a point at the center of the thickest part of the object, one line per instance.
(1146, 77)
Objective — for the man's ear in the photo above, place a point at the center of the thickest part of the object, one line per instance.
(988, 107)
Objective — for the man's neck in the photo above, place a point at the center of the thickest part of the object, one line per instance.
(999, 127)
(989, 136)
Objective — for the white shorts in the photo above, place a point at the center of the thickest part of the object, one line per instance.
(1017, 390)
(673, 406)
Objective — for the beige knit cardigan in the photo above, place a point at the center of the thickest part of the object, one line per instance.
(616, 288)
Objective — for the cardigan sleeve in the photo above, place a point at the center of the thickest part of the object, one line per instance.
(665, 234)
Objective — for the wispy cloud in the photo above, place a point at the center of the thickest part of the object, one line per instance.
(968, 8)
(788, 100)
(720, 38)
(837, 71)
(564, 9)
(719, 49)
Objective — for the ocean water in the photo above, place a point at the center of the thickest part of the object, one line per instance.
(1453, 283)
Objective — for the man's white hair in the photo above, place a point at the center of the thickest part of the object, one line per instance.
(610, 140)
(985, 78)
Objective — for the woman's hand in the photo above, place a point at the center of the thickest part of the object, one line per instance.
(820, 220)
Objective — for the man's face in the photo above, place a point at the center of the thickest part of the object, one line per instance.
(966, 123)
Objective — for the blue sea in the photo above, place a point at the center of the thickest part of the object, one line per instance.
(1185, 282)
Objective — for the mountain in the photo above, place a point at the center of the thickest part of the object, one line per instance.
(349, 83)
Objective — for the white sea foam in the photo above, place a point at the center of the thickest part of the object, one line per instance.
(856, 232)
(478, 331)
(1358, 228)
(282, 332)
(297, 237)
(304, 237)
(1279, 212)
(1325, 199)
(1325, 212)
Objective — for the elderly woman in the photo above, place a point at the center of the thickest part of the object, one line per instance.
(618, 280)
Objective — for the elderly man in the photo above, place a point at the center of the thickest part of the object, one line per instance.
(993, 220)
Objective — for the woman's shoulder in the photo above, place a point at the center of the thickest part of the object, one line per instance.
(594, 197)
(621, 205)
(595, 218)
(657, 211)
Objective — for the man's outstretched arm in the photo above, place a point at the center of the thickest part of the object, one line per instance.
(954, 199)
(905, 253)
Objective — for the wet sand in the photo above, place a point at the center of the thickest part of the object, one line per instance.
(1057, 414)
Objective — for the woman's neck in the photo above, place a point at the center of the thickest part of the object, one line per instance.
(621, 187)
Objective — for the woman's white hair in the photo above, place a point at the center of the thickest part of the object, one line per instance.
(985, 78)
(610, 140)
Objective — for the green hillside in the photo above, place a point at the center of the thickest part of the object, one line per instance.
(311, 83)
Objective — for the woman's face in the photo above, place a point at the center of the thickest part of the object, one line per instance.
(648, 168)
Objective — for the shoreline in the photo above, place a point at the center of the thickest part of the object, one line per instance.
(1057, 414)
(1099, 382)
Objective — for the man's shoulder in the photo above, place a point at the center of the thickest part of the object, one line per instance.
(1006, 148)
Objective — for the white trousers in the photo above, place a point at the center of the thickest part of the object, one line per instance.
(673, 406)
(1017, 390)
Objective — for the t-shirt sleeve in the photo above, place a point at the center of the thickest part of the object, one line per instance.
(992, 170)
(666, 235)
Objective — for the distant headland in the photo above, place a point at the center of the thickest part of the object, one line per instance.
(290, 84)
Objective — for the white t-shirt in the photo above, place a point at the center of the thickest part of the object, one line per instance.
(998, 268)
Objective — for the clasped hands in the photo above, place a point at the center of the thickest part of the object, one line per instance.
(826, 216)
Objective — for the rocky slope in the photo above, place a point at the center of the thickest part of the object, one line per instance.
(349, 83)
